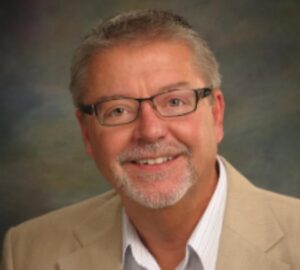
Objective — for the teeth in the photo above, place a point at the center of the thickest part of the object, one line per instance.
(154, 161)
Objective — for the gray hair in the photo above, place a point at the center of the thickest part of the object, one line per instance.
(141, 26)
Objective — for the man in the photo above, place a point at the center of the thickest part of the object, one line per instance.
(150, 108)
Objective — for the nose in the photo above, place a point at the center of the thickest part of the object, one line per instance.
(149, 126)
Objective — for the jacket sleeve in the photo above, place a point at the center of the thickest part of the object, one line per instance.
(7, 260)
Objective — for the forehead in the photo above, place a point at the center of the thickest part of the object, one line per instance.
(140, 69)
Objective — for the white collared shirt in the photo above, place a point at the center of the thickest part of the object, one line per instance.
(203, 244)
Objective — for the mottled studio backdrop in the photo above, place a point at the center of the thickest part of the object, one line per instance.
(42, 163)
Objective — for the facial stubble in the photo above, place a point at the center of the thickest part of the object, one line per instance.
(138, 189)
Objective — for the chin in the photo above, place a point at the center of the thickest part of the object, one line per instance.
(157, 194)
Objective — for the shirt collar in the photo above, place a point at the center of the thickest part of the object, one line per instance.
(204, 240)
(133, 246)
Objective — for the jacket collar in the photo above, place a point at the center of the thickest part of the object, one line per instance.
(249, 229)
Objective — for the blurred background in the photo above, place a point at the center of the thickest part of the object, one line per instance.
(43, 165)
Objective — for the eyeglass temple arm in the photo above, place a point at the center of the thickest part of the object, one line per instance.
(203, 92)
(88, 109)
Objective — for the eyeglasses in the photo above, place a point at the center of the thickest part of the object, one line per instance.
(119, 110)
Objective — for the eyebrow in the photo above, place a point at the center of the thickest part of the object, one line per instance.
(162, 89)
(174, 86)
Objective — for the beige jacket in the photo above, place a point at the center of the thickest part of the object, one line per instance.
(261, 232)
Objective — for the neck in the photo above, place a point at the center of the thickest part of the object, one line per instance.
(159, 228)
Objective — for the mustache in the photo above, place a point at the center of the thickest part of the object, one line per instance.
(155, 149)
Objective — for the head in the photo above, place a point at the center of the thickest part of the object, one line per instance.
(153, 161)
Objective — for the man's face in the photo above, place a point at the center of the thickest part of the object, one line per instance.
(154, 161)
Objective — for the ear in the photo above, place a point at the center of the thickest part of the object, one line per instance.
(85, 132)
(218, 108)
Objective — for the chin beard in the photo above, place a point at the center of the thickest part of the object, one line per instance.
(155, 199)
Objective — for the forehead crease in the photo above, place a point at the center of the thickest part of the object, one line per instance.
(174, 85)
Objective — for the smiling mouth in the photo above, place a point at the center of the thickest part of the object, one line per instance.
(153, 161)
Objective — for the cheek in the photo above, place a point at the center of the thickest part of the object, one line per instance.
(190, 129)
(107, 145)
(197, 133)
(186, 131)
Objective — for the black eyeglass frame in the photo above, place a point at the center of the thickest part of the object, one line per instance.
(91, 108)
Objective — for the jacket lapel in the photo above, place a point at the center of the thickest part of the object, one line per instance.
(100, 240)
(249, 229)
(238, 253)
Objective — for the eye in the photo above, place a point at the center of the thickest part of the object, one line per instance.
(175, 102)
(117, 111)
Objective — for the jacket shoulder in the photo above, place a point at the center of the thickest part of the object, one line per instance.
(286, 209)
(39, 242)
(69, 215)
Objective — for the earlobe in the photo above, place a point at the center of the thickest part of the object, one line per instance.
(85, 133)
(218, 113)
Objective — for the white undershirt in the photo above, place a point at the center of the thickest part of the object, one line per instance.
(202, 246)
